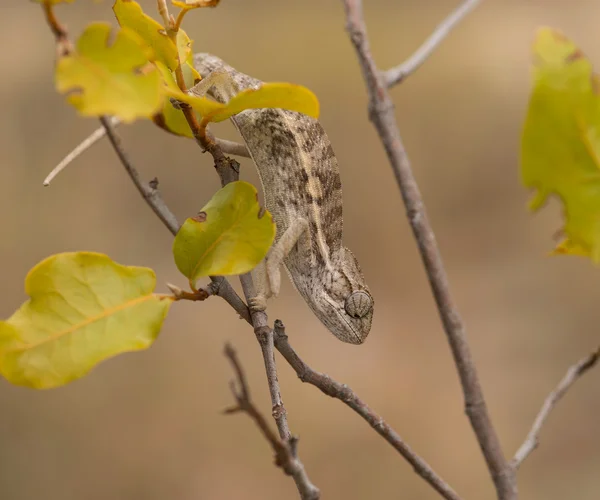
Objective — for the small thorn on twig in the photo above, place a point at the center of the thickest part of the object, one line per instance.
(279, 330)
(153, 183)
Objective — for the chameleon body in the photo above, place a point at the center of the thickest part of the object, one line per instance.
(301, 183)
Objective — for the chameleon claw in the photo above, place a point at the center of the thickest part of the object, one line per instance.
(258, 303)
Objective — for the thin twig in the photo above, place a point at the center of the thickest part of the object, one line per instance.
(574, 373)
(264, 335)
(219, 286)
(233, 148)
(330, 387)
(285, 449)
(150, 194)
(395, 75)
(81, 148)
(228, 147)
(381, 111)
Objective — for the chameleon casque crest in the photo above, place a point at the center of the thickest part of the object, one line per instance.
(301, 183)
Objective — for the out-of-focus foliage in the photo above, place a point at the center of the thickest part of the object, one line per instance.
(560, 151)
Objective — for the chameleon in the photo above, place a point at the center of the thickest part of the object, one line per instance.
(301, 183)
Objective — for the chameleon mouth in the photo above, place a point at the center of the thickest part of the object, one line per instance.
(351, 334)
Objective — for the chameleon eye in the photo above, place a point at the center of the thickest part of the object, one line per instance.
(359, 304)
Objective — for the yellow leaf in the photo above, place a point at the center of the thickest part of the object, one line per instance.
(104, 79)
(230, 235)
(567, 247)
(83, 308)
(170, 118)
(560, 149)
(190, 74)
(130, 15)
(269, 95)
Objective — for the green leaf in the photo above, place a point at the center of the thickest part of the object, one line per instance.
(83, 308)
(270, 95)
(560, 149)
(110, 79)
(230, 235)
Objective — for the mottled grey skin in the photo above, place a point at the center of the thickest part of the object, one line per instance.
(300, 178)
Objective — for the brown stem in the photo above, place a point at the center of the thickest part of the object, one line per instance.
(381, 112)
(285, 449)
(574, 373)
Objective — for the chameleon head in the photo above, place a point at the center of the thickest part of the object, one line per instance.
(347, 305)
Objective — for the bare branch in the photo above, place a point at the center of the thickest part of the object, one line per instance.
(81, 148)
(228, 147)
(574, 373)
(264, 335)
(381, 111)
(397, 74)
(285, 449)
(233, 148)
(228, 171)
(150, 194)
(219, 286)
(342, 392)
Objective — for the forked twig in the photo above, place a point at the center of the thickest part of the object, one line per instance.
(346, 395)
(574, 373)
(285, 450)
(395, 75)
(381, 112)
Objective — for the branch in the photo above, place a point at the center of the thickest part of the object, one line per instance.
(228, 171)
(381, 111)
(342, 392)
(285, 450)
(228, 147)
(397, 74)
(148, 191)
(219, 286)
(264, 335)
(574, 373)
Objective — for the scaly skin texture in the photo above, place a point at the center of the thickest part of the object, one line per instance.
(302, 188)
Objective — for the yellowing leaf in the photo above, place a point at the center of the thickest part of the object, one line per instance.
(130, 15)
(190, 74)
(201, 105)
(230, 235)
(83, 308)
(184, 46)
(170, 118)
(560, 149)
(105, 79)
(567, 247)
(270, 95)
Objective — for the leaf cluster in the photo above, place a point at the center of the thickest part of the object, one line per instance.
(82, 306)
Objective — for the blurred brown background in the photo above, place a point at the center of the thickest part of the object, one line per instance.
(148, 426)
